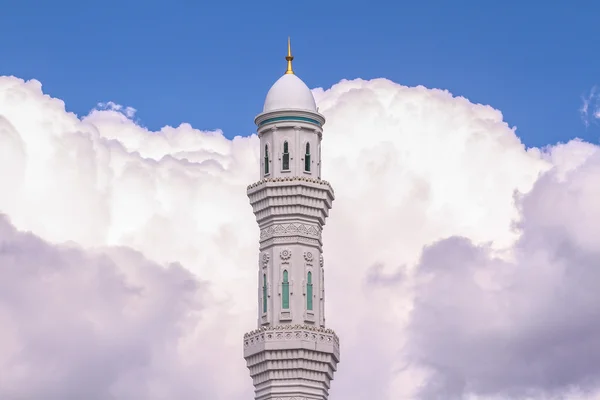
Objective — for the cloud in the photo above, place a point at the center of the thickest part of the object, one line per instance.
(429, 170)
(94, 324)
(519, 327)
(590, 107)
(128, 112)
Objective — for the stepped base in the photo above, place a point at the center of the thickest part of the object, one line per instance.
(291, 362)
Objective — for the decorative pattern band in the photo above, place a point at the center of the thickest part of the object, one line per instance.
(266, 243)
(290, 332)
(291, 337)
(293, 179)
(302, 119)
(290, 230)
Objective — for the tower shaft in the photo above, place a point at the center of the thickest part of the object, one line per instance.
(291, 355)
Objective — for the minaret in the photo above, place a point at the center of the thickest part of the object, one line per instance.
(291, 356)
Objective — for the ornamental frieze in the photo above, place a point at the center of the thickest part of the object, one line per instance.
(264, 244)
(289, 229)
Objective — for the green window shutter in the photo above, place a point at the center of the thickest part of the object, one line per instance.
(309, 292)
(264, 293)
(307, 158)
(286, 157)
(266, 159)
(285, 289)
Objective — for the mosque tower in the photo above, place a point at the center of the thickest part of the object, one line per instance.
(291, 356)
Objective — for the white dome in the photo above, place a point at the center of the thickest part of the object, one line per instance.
(289, 92)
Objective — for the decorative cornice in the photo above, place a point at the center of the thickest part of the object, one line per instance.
(290, 229)
(289, 117)
(306, 198)
(292, 398)
(291, 179)
(265, 243)
(294, 336)
(289, 328)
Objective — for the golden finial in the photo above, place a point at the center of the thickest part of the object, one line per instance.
(289, 58)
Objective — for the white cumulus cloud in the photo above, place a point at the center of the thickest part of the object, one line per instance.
(95, 324)
(458, 262)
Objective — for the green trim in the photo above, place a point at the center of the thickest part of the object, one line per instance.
(266, 159)
(264, 293)
(309, 292)
(303, 119)
(285, 288)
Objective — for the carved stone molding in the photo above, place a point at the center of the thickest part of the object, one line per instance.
(308, 257)
(290, 239)
(291, 179)
(265, 258)
(285, 254)
(294, 335)
(288, 332)
(290, 229)
(321, 260)
(292, 398)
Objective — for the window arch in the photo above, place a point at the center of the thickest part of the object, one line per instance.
(266, 159)
(307, 158)
(264, 293)
(285, 291)
(309, 291)
(285, 161)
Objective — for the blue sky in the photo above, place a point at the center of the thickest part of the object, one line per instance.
(211, 64)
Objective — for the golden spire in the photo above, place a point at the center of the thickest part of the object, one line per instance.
(289, 59)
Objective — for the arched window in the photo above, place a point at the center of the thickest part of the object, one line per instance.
(286, 157)
(264, 293)
(266, 159)
(309, 292)
(307, 158)
(285, 291)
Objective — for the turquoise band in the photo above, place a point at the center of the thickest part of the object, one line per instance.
(303, 119)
